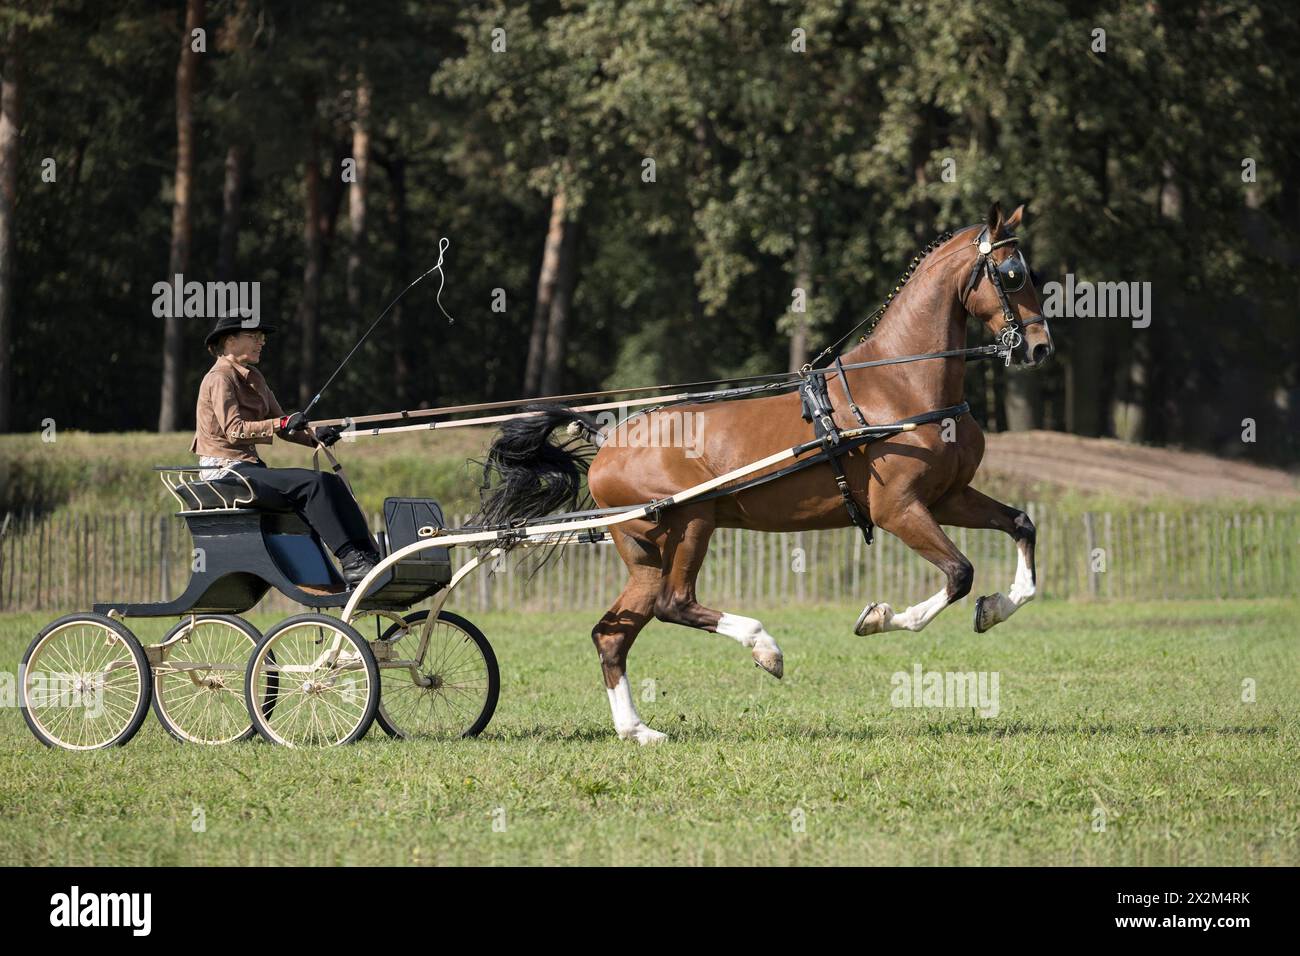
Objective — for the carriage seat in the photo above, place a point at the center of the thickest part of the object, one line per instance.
(252, 548)
(221, 493)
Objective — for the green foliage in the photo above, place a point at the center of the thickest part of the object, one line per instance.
(770, 163)
(87, 474)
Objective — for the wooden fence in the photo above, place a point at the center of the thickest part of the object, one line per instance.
(65, 564)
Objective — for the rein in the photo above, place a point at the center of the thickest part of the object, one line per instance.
(1009, 338)
(779, 382)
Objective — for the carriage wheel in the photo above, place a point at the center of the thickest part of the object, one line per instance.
(198, 689)
(312, 682)
(450, 691)
(85, 683)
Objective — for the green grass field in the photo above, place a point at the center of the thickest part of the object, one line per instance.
(1127, 715)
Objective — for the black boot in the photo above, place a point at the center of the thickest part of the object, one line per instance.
(357, 565)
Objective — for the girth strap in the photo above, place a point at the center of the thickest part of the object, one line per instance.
(818, 410)
(848, 395)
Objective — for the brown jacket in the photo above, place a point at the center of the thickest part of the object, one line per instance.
(236, 412)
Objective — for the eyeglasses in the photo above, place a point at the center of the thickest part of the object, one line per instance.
(259, 337)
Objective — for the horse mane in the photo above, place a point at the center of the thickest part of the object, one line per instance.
(907, 274)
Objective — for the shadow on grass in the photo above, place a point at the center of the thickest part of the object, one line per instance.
(768, 733)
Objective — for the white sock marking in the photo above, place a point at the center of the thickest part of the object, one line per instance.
(999, 607)
(747, 631)
(917, 616)
(627, 722)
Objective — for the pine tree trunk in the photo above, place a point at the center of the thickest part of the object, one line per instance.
(546, 282)
(557, 330)
(357, 195)
(1133, 378)
(1083, 371)
(178, 260)
(313, 247)
(799, 330)
(396, 169)
(10, 118)
(232, 195)
(1022, 401)
(1082, 352)
(331, 198)
(924, 211)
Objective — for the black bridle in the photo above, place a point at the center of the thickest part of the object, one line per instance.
(1012, 273)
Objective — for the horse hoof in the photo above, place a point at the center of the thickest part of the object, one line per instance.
(982, 624)
(873, 619)
(770, 661)
(647, 737)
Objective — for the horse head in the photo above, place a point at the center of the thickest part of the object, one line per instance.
(999, 291)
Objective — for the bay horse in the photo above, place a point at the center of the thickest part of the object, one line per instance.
(911, 483)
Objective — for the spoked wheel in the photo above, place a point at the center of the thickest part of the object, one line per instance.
(85, 683)
(198, 688)
(312, 682)
(444, 688)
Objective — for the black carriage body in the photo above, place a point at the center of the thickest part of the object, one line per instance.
(241, 553)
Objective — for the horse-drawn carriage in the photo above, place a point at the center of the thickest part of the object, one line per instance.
(312, 679)
(315, 680)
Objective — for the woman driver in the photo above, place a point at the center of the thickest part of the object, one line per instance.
(237, 412)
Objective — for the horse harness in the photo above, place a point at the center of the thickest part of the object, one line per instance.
(814, 395)
(1006, 276)
(814, 392)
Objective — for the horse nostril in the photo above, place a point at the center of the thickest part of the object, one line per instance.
(1041, 353)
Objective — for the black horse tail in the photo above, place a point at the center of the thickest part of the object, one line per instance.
(526, 475)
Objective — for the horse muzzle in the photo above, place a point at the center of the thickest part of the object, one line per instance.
(1036, 353)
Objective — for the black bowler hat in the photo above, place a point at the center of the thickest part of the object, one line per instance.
(233, 323)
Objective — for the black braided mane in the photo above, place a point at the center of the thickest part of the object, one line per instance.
(902, 280)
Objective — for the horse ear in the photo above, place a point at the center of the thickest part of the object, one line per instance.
(994, 221)
(1016, 218)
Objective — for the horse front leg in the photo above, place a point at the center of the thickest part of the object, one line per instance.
(685, 544)
(916, 527)
(969, 508)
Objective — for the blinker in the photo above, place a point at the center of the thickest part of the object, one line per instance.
(1012, 271)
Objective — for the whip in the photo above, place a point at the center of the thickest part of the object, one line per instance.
(443, 243)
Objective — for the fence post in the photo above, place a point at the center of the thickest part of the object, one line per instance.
(1094, 585)
(162, 559)
(4, 533)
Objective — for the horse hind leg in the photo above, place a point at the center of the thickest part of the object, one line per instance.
(617, 629)
(684, 548)
(972, 509)
(917, 528)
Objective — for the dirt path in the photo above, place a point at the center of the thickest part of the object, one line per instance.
(1104, 465)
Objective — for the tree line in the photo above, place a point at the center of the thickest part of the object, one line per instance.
(641, 191)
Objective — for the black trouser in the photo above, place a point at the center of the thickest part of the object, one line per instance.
(320, 498)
